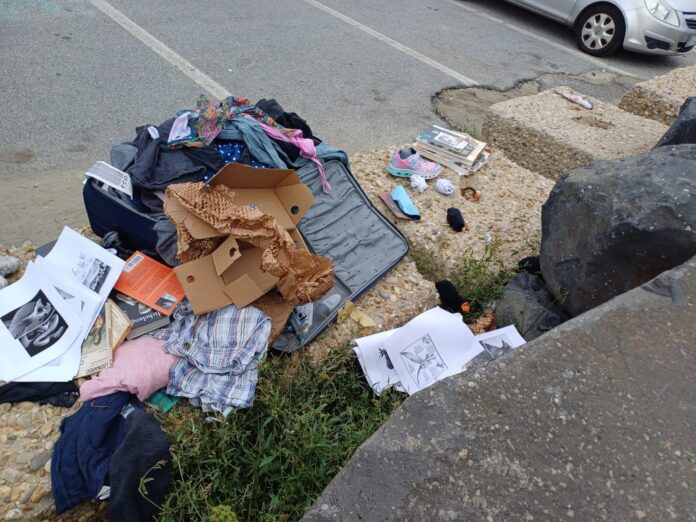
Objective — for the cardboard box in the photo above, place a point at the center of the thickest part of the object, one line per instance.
(232, 273)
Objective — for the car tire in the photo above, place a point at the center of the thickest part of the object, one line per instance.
(600, 30)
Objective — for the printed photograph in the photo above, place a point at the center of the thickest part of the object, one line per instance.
(166, 301)
(497, 346)
(450, 141)
(92, 272)
(423, 361)
(36, 325)
(96, 339)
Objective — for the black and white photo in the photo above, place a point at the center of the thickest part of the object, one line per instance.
(36, 325)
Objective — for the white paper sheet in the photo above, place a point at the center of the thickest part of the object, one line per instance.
(86, 305)
(37, 326)
(430, 347)
(500, 341)
(375, 362)
(87, 263)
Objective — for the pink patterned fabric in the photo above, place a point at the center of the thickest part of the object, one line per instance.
(141, 367)
(306, 146)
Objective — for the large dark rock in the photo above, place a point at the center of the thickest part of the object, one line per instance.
(683, 130)
(527, 304)
(613, 225)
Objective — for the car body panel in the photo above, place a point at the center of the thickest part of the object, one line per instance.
(643, 31)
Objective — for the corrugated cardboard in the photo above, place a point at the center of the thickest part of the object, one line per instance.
(232, 273)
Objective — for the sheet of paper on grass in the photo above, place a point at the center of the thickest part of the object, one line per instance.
(37, 326)
(376, 365)
(86, 305)
(430, 347)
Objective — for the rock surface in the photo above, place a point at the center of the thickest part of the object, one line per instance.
(614, 225)
(527, 304)
(548, 134)
(683, 130)
(660, 98)
(592, 421)
(8, 264)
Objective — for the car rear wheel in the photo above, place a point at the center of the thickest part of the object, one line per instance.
(600, 30)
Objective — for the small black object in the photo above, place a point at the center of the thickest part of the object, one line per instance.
(450, 299)
(530, 264)
(455, 219)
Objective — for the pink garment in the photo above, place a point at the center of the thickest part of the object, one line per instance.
(306, 146)
(141, 367)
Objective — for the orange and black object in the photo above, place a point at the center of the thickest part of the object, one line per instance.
(450, 299)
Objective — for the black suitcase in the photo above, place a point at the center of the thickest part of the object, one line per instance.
(107, 210)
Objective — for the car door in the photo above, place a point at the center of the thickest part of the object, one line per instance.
(558, 9)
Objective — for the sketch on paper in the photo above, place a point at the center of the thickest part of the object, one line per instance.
(497, 346)
(91, 272)
(423, 361)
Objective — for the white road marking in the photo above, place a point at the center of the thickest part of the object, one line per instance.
(202, 79)
(579, 54)
(396, 45)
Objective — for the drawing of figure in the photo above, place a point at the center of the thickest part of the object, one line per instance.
(423, 361)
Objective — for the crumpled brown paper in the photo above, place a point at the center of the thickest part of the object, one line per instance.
(303, 277)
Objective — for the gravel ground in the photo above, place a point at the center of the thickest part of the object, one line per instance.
(661, 97)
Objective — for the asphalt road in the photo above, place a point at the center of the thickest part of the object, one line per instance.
(79, 75)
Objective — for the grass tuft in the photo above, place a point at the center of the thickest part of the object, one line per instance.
(270, 462)
(482, 279)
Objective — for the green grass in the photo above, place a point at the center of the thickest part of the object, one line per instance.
(480, 279)
(270, 462)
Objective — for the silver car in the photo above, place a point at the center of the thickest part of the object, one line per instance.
(647, 26)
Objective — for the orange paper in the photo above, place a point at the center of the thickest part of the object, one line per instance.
(151, 283)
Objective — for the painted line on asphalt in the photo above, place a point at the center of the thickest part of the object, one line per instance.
(202, 79)
(575, 52)
(396, 45)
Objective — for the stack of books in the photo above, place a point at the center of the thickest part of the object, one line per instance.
(147, 292)
(455, 150)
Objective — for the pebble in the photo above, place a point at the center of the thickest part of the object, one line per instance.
(10, 475)
(37, 495)
(47, 467)
(39, 461)
(27, 495)
(14, 514)
(8, 264)
(49, 445)
(25, 421)
(383, 294)
(23, 458)
(46, 428)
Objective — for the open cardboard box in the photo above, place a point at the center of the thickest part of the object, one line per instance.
(232, 273)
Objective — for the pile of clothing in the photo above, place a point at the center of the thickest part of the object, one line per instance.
(195, 144)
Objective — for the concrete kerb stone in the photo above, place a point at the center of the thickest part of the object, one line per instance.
(548, 134)
(661, 97)
(509, 209)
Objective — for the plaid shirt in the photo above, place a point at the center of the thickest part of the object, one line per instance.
(219, 355)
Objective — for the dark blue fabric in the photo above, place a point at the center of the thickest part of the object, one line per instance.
(235, 152)
(82, 455)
